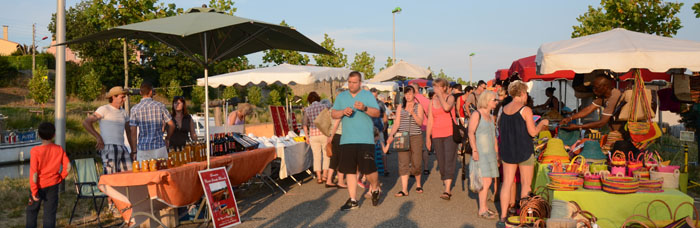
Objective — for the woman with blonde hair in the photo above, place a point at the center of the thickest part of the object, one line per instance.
(439, 133)
(516, 129)
(482, 131)
(238, 117)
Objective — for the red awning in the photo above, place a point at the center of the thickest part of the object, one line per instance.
(421, 82)
(527, 70)
(502, 74)
(647, 76)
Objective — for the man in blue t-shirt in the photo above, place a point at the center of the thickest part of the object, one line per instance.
(356, 108)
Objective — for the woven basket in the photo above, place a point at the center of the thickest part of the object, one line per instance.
(619, 184)
(670, 179)
(618, 158)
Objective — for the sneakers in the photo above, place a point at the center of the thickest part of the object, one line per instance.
(375, 198)
(349, 205)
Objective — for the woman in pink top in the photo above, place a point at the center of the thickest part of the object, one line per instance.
(439, 129)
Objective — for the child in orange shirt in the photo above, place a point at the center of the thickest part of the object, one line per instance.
(48, 166)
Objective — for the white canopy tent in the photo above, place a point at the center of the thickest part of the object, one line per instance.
(618, 50)
(284, 73)
(381, 86)
(401, 70)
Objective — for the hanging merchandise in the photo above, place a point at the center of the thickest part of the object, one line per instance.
(681, 88)
(641, 132)
(668, 102)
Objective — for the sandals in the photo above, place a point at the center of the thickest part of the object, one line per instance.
(488, 214)
(446, 196)
(419, 190)
(400, 194)
(341, 187)
(319, 181)
(331, 185)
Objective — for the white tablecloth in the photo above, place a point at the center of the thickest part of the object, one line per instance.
(295, 158)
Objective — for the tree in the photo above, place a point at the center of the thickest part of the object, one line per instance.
(230, 92)
(174, 89)
(255, 95)
(7, 72)
(90, 86)
(388, 63)
(338, 59)
(135, 82)
(696, 7)
(646, 16)
(225, 6)
(279, 56)
(364, 63)
(40, 87)
(275, 98)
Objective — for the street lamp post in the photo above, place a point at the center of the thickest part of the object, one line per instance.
(470, 66)
(393, 49)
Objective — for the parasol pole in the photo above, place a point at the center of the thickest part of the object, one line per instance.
(206, 100)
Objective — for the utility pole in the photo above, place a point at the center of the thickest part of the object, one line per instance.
(60, 96)
(470, 67)
(393, 26)
(126, 75)
(33, 48)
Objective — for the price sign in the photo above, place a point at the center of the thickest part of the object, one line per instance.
(687, 136)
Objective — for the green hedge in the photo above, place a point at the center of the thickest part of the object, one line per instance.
(24, 62)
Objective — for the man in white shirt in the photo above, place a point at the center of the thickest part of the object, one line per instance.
(114, 122)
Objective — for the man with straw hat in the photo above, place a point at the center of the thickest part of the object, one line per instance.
(114, 122)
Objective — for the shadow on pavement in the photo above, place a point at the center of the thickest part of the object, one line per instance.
(302, 214)
(401, 220)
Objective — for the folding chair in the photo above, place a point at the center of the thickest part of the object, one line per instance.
(86, 177)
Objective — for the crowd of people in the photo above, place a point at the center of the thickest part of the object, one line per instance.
(499, 130)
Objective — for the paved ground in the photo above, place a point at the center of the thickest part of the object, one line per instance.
(313, 205)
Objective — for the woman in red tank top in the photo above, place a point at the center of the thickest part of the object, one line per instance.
(439, 134)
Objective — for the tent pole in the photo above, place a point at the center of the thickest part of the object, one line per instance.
(206, 101)
(558, 105)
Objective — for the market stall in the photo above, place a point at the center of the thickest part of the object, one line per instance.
(146, 192)
(593, 172)
(401, 71)
(206, 35)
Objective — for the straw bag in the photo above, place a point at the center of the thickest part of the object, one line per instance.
(634, 164)
(598, 166)
(579, 168)
(650, 161)
(610, 140)
(323, 122)
(674, 222)
(618, 159)
(641, 173)
(592, 181)
(670, 179)
(627, 109)
(641, 132)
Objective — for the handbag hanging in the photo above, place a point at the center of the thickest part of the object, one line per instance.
(646, 131)
(458, 131)
(402, 140)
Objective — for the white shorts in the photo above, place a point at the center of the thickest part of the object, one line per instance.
(152, 154)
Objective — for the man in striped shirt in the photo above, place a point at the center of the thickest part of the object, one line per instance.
(148, 116)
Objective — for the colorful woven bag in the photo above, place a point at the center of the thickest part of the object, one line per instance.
(618, 158)
(647, 130)
(634, 164)
(619, 184)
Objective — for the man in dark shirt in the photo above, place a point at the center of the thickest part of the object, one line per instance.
(607, 97)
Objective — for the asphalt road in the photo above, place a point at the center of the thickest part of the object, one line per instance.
(313, 205)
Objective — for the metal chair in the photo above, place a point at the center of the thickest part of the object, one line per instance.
(86, 178)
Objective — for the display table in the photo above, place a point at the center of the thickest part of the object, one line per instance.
(540, 176)
(613, 209)
(294, 159)
(175, 187)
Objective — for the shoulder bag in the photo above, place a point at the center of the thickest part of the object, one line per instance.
(641, 132)
(402, 140)
(323, 122)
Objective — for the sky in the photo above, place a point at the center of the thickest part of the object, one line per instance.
(436, 34)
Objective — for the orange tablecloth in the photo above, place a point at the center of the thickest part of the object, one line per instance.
(178, 186)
